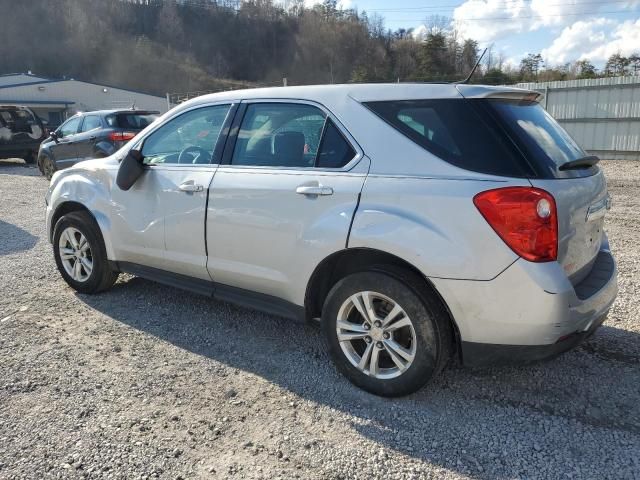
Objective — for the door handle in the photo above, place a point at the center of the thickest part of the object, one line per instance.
(92, 138)
(190, 186)
(314, 190)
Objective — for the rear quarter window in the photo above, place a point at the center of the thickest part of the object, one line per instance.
(457, 132)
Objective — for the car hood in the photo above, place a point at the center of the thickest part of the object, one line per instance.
(96, 163)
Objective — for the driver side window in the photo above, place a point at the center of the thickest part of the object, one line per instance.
(187, 139)
(70, 127)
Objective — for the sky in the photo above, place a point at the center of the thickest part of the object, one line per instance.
(561, 30)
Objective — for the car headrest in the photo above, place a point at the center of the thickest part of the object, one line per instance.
(289, 147)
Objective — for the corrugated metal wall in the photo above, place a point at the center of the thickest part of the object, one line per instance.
(602, 114)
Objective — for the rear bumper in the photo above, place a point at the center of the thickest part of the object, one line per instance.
(530, 312)
(486, 354)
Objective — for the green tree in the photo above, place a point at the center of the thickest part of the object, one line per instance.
(435, 64)
(585, 69)
(469, 56)
(616, 65)
(530, 66)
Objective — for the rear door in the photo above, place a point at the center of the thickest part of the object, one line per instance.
(283, 199)
(86, 139)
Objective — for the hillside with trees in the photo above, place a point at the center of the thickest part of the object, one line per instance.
(170, 45)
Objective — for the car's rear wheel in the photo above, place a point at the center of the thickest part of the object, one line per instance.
(385, 336)
(80, 253)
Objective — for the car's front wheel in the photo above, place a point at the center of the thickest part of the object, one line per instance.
(80, 253)
(385, 336)
(47, 166)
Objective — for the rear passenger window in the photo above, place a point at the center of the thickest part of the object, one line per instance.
(279, 135)
(455, 131)
(290, 135)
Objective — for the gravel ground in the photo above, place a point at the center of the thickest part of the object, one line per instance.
(146, 381)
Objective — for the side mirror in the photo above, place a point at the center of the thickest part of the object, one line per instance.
(130, 170)
(54, 136)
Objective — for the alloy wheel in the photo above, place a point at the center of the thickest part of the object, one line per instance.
(376, 335)
(75, 254)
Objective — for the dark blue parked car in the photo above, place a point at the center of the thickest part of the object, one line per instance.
(90, 135)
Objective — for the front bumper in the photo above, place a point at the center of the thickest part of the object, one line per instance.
(530, 312)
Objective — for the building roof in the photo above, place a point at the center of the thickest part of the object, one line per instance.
(20, 78)
(49, 81)
(62, 103)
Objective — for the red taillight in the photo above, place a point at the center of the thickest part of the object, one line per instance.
(525, 218)
(121, 136)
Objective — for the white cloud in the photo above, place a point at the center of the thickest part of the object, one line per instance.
(626, 40)
(595, 40)
(488, 20)
(420, 32)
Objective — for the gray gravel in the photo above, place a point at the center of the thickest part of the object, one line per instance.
(146, 381)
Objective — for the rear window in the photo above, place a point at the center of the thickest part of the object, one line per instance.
(131, 121)
(539, 136)
(456, 131)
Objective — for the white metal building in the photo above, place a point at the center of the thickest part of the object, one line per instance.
(602, 114)
(55, 100)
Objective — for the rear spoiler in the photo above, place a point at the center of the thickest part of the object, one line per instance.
(505, 93)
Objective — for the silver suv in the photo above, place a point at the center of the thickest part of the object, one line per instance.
(414, 222)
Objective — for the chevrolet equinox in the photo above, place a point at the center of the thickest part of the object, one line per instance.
(415, 222)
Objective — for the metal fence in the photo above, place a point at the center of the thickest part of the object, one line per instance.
(176, 98)
(602, 114)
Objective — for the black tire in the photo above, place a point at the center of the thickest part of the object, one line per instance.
(433, 332)
(102, 277)
(47, 166)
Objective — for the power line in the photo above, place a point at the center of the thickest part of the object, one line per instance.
(504, 3)
(491, 19)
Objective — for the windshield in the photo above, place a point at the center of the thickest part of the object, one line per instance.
(544, 141)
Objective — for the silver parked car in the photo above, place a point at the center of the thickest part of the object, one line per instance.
(415, 222)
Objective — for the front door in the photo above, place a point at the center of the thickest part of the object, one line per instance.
(285, 199)
(160, 221)
(64, 148)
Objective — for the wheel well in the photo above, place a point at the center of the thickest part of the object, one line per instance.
(352, 260)
(65, 208)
